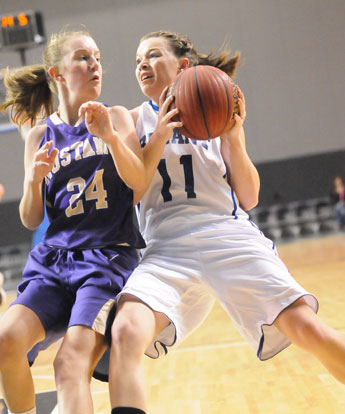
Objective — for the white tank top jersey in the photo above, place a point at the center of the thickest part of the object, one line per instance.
(189, 187)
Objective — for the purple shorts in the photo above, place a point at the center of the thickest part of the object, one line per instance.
(73, 287)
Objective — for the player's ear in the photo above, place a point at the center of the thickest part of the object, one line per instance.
(184, 63)
(54, 72)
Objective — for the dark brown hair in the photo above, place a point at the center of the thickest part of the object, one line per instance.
(183, 47)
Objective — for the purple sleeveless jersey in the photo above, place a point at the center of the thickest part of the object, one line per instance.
(90, 247)
(88, 204)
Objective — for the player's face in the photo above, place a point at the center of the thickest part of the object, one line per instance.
(157, 66)
(81, 70)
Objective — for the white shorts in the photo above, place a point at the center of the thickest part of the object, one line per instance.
(230, 261)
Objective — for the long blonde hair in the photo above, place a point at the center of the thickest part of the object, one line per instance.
(30, 89)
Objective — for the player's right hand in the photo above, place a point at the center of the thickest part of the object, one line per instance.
(43, 161)
(165, 124)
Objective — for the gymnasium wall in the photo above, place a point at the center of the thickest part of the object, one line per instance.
(291, 74)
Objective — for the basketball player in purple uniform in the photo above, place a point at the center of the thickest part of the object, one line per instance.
(87, 172)
(201, 245)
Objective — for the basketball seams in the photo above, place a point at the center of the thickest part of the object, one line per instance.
(215, 104)
(177, 87)
(228, 96)
(229, 114)
(201, 104)
(206, 99)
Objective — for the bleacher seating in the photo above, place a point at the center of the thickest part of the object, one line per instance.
(284, 222)
(280, 222)
(12, 262)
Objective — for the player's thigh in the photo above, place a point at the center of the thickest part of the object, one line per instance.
(173, 288)
(50, 300)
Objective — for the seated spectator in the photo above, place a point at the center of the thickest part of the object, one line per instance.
(338, 199)
(2, 291)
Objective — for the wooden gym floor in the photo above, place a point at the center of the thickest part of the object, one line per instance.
(215, 372)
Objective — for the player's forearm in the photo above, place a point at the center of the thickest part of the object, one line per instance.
(152, 154)
(245, 179)
(31, 205)
(129, 167)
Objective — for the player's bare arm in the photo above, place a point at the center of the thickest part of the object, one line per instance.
(153, 151)
(242, 174)
(116, 128)
(38, 162)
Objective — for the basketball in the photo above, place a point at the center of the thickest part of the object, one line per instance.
(206, 98)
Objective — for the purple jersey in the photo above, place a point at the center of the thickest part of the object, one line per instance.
(88, 204)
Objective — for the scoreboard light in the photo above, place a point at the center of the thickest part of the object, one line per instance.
(21, 30)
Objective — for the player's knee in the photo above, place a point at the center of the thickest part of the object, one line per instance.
(307, 331)
(303, 332)
(10, 346)
(68, 366)
(314, 335)
(127, 337)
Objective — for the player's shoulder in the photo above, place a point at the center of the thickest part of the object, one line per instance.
(119, 112)
(135, 114)
(35, 135)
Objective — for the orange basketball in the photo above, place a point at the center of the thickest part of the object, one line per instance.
(206, 98)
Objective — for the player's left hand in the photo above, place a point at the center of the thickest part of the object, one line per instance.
(97, 119)
(239, 118)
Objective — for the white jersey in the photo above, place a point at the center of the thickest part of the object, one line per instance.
(182, 192)
(202, 247)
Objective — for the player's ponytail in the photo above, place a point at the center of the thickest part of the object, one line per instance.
(222, 61)
(28, 95)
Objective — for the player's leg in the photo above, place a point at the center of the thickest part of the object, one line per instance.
(165, 301)
(39, 313)
(306, 330)
(74, 363)
(20, 329)
(2, 291)
(96, 286)
(134, 328)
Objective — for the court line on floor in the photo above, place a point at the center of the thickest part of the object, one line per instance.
(221, 346)
(51, 377)
(210, 347)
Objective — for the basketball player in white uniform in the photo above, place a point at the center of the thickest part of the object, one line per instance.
(201, 245)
